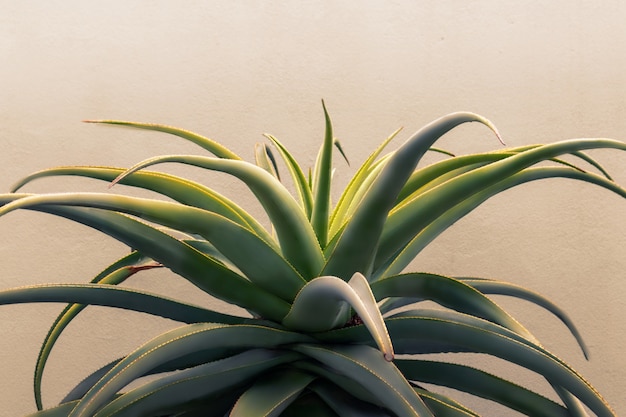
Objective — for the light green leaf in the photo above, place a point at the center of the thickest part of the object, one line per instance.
(403, 224)
(201, 270)
(356, 184)
(447, 213)
(357, 245)
(210, 145)
(179, 189)
(321, 184)
(297, 238)
(249, 253)
(300, 181)
(265, 159)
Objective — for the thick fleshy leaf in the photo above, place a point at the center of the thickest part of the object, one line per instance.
(185, 388)
(357, 183)
(264, 159)
(344, 404)
(118, 297)
(489, 286)
(258, 260)
(324, 303)
(481, 384)
(179, 189)
(403, 225)
(209, 144)
(321, 184)
(113, 275)
(367, 368)
(485, 337)
(297, 238)
(297, 175)
(179, 343)
(442, 217)
(271, 394)
(447, 292)
(443, 406)
(357, 245)
(201, 270)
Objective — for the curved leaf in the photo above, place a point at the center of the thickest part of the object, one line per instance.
(271, 394)
(447, 292)
(357, 244)
(443, 216)
(403, 224)
(324, 303)
(201, 270)
(296, 236)
(489, 286)
(249, 253)
(365, 367)
(118, 297)
(182, 389)
(177, 188)
(179, 343)
(210, 145)
(481, 384)
(298, 177)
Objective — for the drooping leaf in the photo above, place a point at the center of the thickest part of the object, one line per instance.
(210, 145)
(297, 238)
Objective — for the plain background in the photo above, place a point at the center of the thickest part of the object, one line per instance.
(232, 70)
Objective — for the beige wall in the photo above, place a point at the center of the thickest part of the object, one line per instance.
(236, 69)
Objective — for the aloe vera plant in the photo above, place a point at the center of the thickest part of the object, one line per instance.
(329, 300)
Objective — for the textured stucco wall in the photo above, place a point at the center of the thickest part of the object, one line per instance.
(236, 69)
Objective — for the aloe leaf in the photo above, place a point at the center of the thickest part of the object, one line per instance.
(178, 343)
(177, 188)
(447, 292)
(344, 404)
(265, 159)
(299, 179)
(181, 389)
(297, 238)
(357, 245)
(271, 394)
(338, 216)
(201, 270)
(489, 286)
(403, 224)
(208, 144)
(365, 367)
(62, 410)
(446, 214)
(113, 296)
(238, 244)
(324, 303)
(113, 275)
(321, 184)
(443, 406)
(481, 384)
(485, 337)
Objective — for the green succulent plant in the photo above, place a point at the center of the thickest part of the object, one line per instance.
(329, 301)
